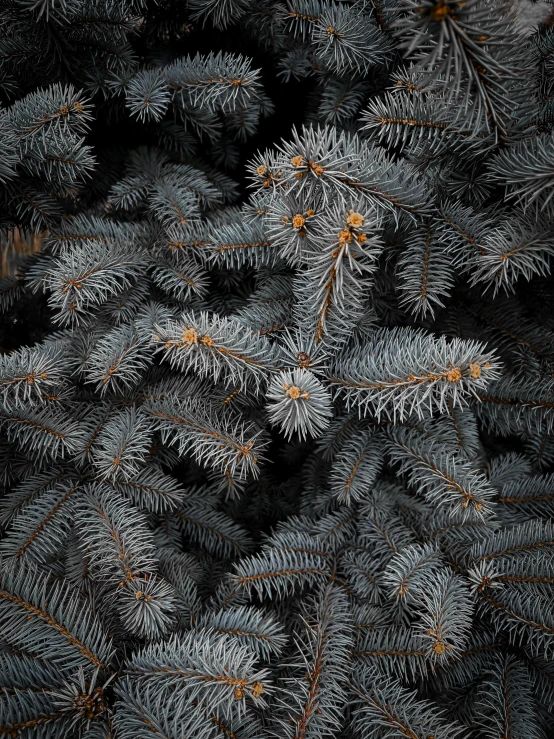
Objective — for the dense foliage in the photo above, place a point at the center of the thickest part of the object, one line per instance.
(277, 449)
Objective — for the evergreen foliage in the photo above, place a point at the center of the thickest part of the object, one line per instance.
(277, 403)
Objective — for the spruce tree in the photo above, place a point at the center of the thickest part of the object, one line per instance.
(277, 392)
